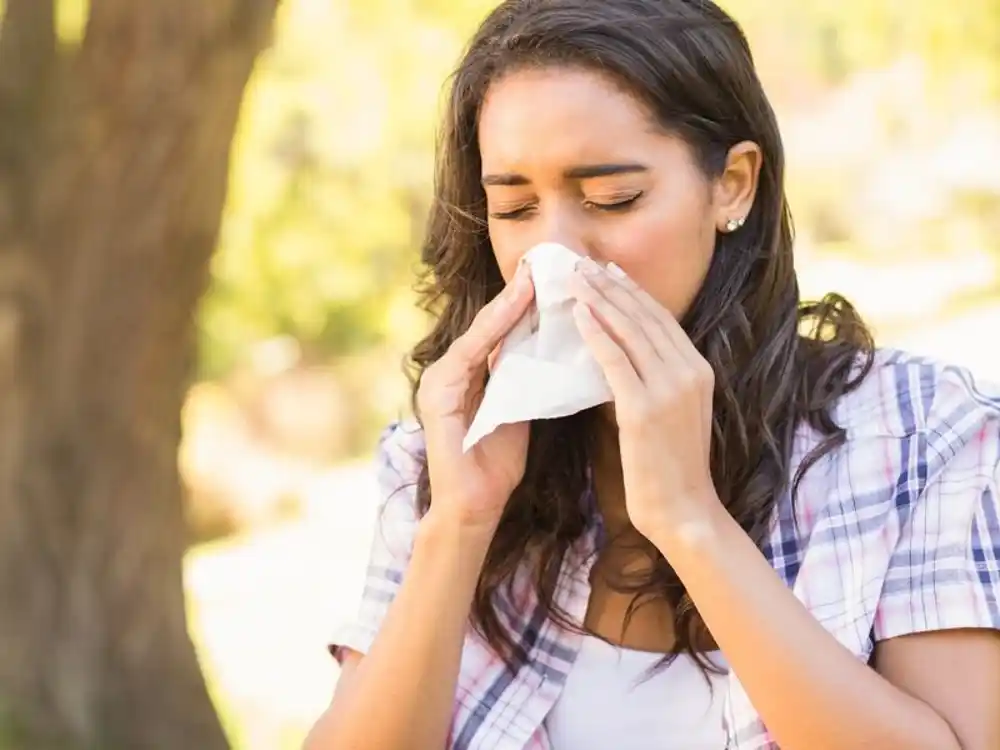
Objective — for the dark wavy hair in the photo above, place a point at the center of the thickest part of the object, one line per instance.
(778, 362)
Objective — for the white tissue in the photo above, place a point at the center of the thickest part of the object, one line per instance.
(544, 369)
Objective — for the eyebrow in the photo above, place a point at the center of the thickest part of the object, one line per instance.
(582, 172)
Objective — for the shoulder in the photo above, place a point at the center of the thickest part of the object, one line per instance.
(399, 457)
(936, 511)
(397, 465)
(904, 395)
(901, 522)
(398, 462)
(918, 433)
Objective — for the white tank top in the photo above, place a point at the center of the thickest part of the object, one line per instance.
(609, 701)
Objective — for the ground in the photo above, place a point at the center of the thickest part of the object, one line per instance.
(262, 608)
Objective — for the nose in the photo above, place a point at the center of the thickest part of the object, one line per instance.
(561, 227)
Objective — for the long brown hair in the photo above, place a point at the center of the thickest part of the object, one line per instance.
(777, 362)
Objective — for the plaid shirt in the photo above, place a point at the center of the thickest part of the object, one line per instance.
(897, 531)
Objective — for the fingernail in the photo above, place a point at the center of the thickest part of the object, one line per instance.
(616, 271)
(588, 266)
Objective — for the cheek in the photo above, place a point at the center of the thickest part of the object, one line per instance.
(667, 250)
(507, 259)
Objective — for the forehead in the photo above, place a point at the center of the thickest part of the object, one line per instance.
(560, 116)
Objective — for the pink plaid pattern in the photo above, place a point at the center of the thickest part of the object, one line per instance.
(897, 531)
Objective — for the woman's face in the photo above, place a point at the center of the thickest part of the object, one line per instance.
(569, 157)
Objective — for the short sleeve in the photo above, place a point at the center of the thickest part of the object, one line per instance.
(944, 571)
(398, 459)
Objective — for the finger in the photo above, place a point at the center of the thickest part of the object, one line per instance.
(622, 298)
(622, 378)
(693, 361)
(470, 350)
(624, 331)
(658, 314)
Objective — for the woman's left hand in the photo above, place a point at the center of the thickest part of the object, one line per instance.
(662, 389)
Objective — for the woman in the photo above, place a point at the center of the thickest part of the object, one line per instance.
(777, 536)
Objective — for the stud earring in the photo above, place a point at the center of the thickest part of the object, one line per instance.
(733, 224)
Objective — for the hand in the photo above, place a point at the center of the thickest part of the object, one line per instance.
(662, 390)
(474, 487)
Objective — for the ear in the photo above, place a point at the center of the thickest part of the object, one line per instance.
(736, 187)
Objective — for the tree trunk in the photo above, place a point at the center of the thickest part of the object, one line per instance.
(113, 166)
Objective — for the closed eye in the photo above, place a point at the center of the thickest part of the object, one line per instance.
(621, 204)
(516, 213)
(617, 205)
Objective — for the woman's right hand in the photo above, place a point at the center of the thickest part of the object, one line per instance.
(473, 488)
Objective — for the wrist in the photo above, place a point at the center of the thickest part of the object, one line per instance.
(470, 539)
(472, 513)
(446, 562)
(696, 529)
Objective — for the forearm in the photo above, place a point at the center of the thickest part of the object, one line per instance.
(810, 691)
(401, 695)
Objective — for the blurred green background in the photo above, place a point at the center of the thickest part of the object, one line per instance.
(891, 117)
